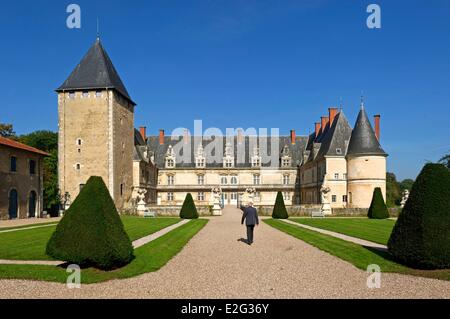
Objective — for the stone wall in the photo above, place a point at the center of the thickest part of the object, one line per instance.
(306, 210)
(170, 211)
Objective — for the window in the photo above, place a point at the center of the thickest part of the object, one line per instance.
(121, 189)
(258, 196)
(32, 167)
(350, 197)
(170, 196)
(344, 198)
(170, 180)
(338, 151)
(170, 163)
(233, 196)
(234, 180)
(81, 186)
(256, 179)
(287, 196)
(228, 162)
(201, 196)
(333, 198)
(256, 162)
(200, 162)
(98, 94)
(13, 164)
(286, 162)
(72, 95)
(200, 179)
(286, 180)
(78, 166)
(79, 142)
(345, 176)
(336, 176)
(85, 94)
(223, 180)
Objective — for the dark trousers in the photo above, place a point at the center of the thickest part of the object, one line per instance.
(250, 229)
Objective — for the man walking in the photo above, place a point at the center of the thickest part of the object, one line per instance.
(250, 216)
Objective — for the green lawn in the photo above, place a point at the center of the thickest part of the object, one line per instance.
(149, 258)
(353, 253)
(374, 230)
(30, 244)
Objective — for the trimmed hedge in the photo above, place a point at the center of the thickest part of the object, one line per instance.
(188, 210)
(378, 208)
(91, 233)
(421, 236)
(279, 210)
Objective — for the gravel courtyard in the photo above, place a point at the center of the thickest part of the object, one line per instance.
(216, 264)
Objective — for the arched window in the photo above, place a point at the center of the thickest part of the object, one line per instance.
(13, 204)
(234, 180)
(223, 180)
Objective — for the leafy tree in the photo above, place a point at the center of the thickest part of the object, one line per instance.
(188, 210)
(445, 160)
(91, 233)
(279, 209)
(378, 209)
(421, 235)
(406, 184)
(6, 130)
(393, 191)
(43, 140)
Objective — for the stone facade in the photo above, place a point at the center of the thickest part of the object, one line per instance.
(96, 139)
(21, 188)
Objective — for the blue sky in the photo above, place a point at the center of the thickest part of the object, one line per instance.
(244, 64)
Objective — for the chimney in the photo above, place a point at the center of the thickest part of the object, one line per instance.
(317, 128)
(324, 121)
(161, 137)
(377, 126)
(143, 131)
(332, 111)
(293, 137)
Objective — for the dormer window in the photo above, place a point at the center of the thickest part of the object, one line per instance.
(285, 157)
(339, 151)
(256, 159)
(228, 160)
(170, 157)
(200, 161)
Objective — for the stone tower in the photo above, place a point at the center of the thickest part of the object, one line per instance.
(96, 128)
(366, 163)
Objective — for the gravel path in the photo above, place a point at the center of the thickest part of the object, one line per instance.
(215, 264)
(145, 240)
(355, 240)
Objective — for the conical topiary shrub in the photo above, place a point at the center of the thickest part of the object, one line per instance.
(188, 211)
(421, 236)
(91, 233)
(378, 208)
(279, 210)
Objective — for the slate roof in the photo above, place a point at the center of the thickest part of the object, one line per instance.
(363, 140)
(337, 136)
(95, 71)
(160, 151)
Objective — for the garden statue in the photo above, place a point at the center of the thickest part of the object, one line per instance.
(326, 207)
(216, 196)
(405, 196)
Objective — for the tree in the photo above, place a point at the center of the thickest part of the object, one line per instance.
(6, 130)
(47, 141)
(91, 233)
(421, 236)
(279, 209)
(393, 191)
(445, 160)
(378, 209)
(406, 184)
(188, 210)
